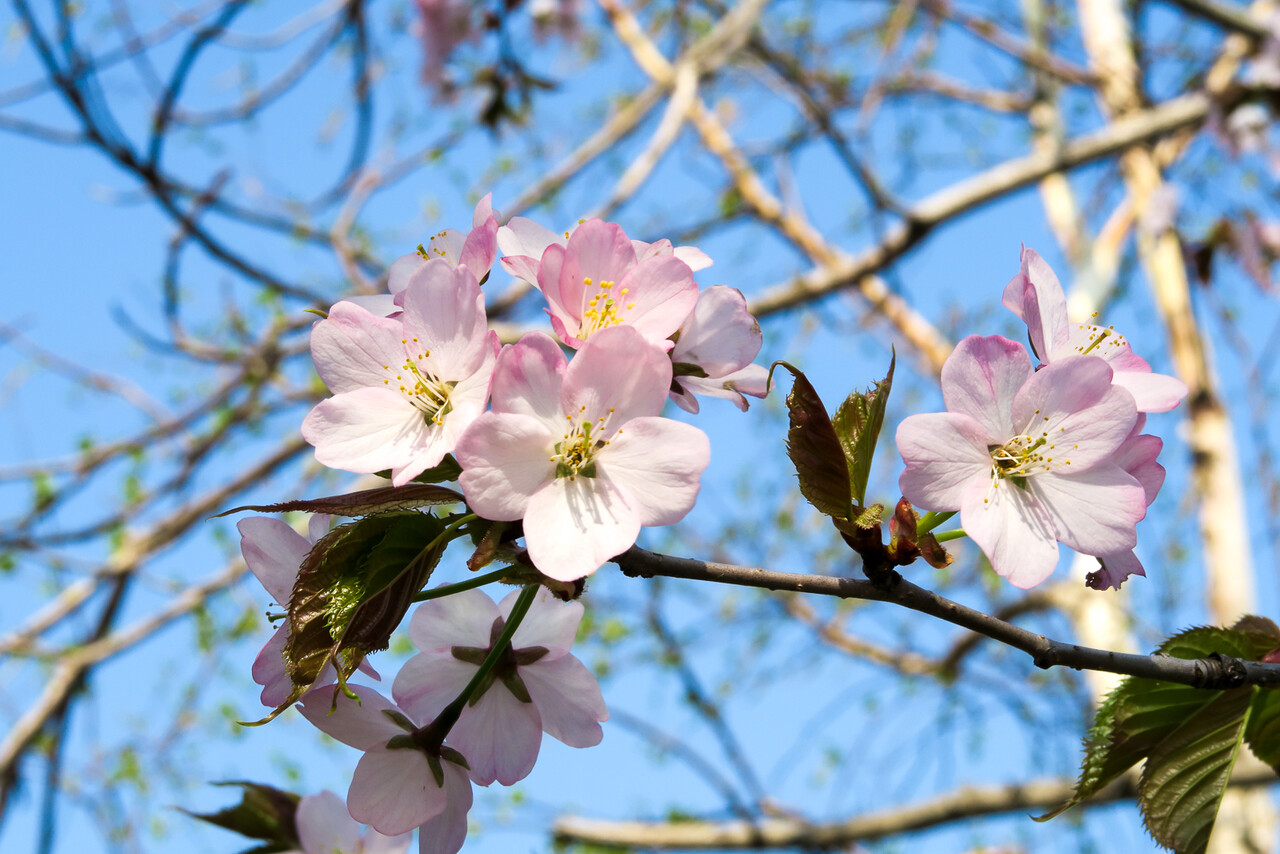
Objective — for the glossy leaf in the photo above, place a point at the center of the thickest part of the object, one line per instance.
(857, 425)
(264, 813)
(354, 588)
(1188, 736)
(815, 450)
(365, 502)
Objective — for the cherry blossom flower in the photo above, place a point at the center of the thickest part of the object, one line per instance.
(523, 241)
(596, 281)
(442, 26)
(1036, 296)
(273, 551)
(1027, 457)
(537, 685)
(1137, 456)
(404, 389)
(395, 788)
(577, 451)
(324, 827)
(713, 351)
(475, 251)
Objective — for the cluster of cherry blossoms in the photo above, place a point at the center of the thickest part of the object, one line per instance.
(1033, 456)
(570, 455)
(576, 449)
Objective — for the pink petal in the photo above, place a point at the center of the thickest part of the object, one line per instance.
(617, 375)
(574, 525)
(480, 248)
(658, 463)
(273, 551)
(270, 672)
(353, 349)
(1113, 570)
(1013, 529)
(550, 623)
(325, 826)
(460, 619)
(469, 397)
(432, 680)
(1094, 511)
(360, 724)
(694, 257)
(1036, 296)
(445, 833)
(401, 269)
(945, 453)
(720, 335)
(752, 380)
(660, 295)
(1152, 392)
(500, 737)
(522, 267)
(381, 305)
(505, 460)
(393, 791)
(1074, 406)
(568, 700)
(372, 429)
(523, 236)
(1138, 456)
(483, 212)
(596, 250)
(528, 379)
(444, 321)
(980, 379)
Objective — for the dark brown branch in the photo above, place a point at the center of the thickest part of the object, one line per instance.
(1214, 673)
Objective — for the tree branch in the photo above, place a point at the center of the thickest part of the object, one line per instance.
(1218, 672)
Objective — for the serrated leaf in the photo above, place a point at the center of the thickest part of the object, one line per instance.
(264, 813)
(1143, 718)
(814, 449)
(857, 425)
(353, 589)
(1183, 782)
(1263, 732)
(365, 502)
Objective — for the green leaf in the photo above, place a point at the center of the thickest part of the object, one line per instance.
(1263, 731)
(363, 503)
(264, 813)
(857, 425)
(353, 589)
(1188, 736)
(814, 449)
(1183, 782)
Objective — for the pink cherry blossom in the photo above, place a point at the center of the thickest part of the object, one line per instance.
(273, 551)
(394, 788)
(404, 388)
(538, 686)
(595, 281)
(577, 451)
(1036, 296)
(523, 241)
(1137, 456)
(442, 26)
(718, 339)
(325, 827)
(1027, 457)
(475, 251)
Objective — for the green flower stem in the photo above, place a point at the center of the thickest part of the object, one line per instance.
(446, 719)
(947, 536)
(469, 584)
(931, 520)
